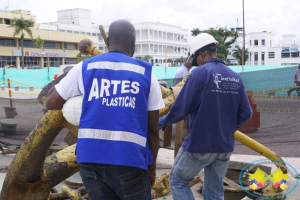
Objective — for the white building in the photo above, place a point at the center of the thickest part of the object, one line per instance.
(155, 39)
(263, 51)
(151, 38)
(238, 43)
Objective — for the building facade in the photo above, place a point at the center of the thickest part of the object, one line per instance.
(238, 43)
(263, 50)
(154, 39)
(158, 40)
(58, 48)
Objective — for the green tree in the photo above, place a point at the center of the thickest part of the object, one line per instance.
(169, 60)
(237, 53)
(21, 26)
(225, 37)
(147, 58)
(38, 43)
(80, 57)
(180, 60)
(139, 57)
(195, 32)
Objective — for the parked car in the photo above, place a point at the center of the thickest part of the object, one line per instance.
(64, 69)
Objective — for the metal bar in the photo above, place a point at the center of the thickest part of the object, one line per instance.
(243, 62)
(102, 31)
(178, 137)
(168, 136)
(259, 148)
(9, 93)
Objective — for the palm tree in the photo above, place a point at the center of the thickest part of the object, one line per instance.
(237, 53)
(21, 26)
(195, 32)
(147, 58)
(38, 43)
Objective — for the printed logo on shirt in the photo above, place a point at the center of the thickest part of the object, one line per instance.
(110, 89)
(226, 85)
(259, 179)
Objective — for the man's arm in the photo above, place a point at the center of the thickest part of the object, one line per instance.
(295, 81)
(71, 85)
(244, 111)
(153, 136)
(54, 100)
(187, 101)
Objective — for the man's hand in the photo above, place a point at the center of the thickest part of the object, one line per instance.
(152, 176)
(161, 124)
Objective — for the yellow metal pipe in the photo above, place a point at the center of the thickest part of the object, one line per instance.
(259, 148)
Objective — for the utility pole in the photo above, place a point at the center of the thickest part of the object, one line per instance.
(243, 51)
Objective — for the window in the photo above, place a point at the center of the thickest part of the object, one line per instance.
(70, 61)
(263, 42)
(255, 42)
(262, 58)
(53, 62)
(229, 53)
(7, 21)
(271, 54)
(255, 58)
(32, 62)
(285, 55)
(7, 60)
(27, 43)
(295, 54)
(62, 30)
(70, 46)
(76, 31)
(7, 42)
(250, 55)
(236, 46)
(250, 42)
(52, 45)
(69, 31)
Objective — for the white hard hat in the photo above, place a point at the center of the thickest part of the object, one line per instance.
(72, 110)
(198, 42)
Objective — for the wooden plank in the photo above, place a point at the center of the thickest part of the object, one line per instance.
(178, 137)
(168, 136)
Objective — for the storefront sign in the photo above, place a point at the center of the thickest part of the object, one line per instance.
(290, 49)
(40, 54)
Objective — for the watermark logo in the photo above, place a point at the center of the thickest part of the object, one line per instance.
(260, 179)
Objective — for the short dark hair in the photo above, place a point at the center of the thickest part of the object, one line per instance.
(121, 32)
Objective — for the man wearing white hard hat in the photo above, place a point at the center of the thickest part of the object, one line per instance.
(215, 99)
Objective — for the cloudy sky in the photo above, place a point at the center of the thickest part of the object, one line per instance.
(276, 16)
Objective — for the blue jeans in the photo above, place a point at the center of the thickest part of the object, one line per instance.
(188, 165)
(114, 182)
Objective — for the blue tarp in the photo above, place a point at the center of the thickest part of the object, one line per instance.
(256, 78)
(34, 77)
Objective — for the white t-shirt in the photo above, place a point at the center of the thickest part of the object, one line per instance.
(297, 72)
(72, 85)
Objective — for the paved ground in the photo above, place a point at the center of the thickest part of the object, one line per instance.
(279, 131)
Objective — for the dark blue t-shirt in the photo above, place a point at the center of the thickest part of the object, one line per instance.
(215, 98)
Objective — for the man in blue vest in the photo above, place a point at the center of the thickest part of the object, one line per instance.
(118, 130)
(214, 96)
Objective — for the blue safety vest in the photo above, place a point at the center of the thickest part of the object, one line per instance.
(114, 119)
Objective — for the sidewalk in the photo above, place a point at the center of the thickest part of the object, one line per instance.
(166, 159)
